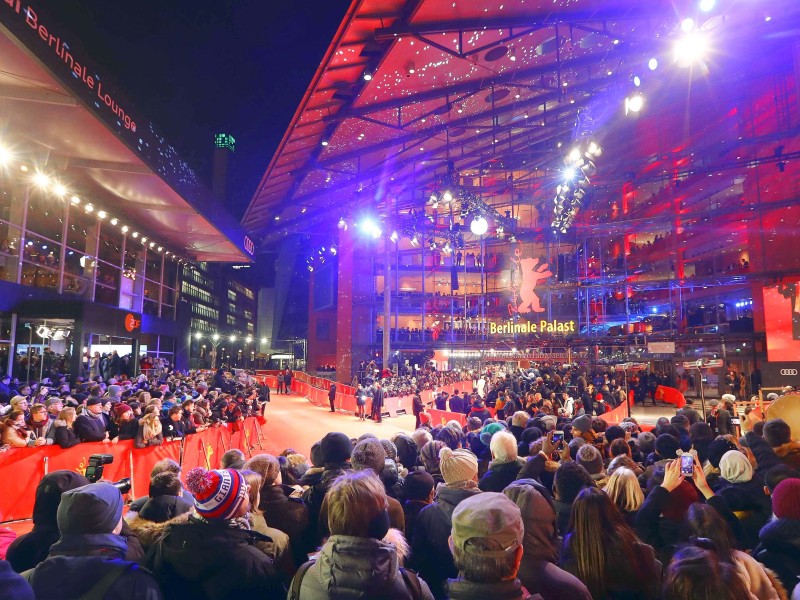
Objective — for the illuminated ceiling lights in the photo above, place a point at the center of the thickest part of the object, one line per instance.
(707, 5)
(479, 225)
(41, 180)
(692, 47)
(634, 103)
(5, 156)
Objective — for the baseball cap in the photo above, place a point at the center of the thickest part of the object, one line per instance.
(483, 517)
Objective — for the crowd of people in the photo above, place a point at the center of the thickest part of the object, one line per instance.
(164, 406)
(535, 502)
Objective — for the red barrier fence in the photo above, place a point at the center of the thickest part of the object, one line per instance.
(22, 468)
(345, 399)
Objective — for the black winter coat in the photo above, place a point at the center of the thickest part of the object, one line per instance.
(289, 515)
(213, 561)
(500, 475)
(779, 549)
(430, 551)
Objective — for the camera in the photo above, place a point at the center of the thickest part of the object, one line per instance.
(94, 472)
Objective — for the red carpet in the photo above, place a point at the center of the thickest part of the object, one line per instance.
(293, 422)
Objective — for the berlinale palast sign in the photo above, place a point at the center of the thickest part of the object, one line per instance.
(543, 326)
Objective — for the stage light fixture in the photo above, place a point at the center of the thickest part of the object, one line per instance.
(144, 240)
(324, 142)
(394, 237)
(414, 241)
(479, 225)
(89, 208)
(707, 5)
(5, 156)
(342, 224)
(59, 189)
(574, 155)
(687, 25)
(367, 76)
(114, 221)
(101, 214)
(569, 174)
(75, 200)
(135, 234)
(637, 81)
(690, 49)
(633, 104)
(447, 197)
(233, 338)
(41, 180)
(652, 64)
(125, 229)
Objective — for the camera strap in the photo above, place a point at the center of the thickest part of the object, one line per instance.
(100, 588)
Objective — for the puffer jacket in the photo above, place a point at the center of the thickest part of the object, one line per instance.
(430, 551)
(353, 568)
(148, 532)
(750, 505)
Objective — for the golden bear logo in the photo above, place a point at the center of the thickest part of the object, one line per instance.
(530, 273)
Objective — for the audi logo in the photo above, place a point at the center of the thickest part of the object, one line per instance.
(788, 372)
(249, 245)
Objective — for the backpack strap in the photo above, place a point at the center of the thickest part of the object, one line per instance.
(99, 589)
(297, 581)
(412, 583)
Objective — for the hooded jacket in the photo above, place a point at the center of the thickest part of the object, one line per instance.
(353, 568)
(789, 453)
(538, 571)
(211, 560)
(430, 551)
(77, 562)
(779, 550)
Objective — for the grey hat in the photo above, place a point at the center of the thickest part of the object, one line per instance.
(92, 508)
(582, 423)
(368, 454)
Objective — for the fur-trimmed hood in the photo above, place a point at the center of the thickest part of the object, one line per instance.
(149, 532)
(788, 448)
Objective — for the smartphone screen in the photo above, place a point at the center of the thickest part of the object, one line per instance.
(687, 464)
(558, 436)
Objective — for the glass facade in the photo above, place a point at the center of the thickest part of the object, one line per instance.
(61, 244)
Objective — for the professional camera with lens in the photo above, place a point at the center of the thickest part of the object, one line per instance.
(94, 472)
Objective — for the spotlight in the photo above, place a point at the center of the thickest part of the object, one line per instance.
(434, 199)
(479, 225)
(652, 64)
(687, 25)
(633, 104)
(342, 224)
(414, 241)
(707, 5)
(135, 234)
(41, 180)
(370, 227)
(89, 208)
(574, 155)
(394, 237)
(75, 200)
(114, 221)
(333, 250)
(637, 81)
(367, 76)
(690, 49)
(144, 240)
(5, 156)
(59, 189)
(569, 173)
(324, 142)
(447, 197)
(102, 214)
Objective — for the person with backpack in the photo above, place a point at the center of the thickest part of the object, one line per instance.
(355, 562)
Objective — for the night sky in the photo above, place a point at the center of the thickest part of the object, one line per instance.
(202, 67)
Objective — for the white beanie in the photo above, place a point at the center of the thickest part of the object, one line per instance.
(734, 467)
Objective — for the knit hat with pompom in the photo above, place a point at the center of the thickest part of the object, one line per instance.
(217, 494)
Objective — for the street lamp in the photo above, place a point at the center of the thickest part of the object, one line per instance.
(215, 341)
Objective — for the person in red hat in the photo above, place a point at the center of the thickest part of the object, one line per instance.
(779, 540)
(212, 555)
(123, 424)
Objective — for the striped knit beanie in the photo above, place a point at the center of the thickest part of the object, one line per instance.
(217, 494)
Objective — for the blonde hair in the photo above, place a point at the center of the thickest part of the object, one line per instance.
(520, 418)
(151, 426)
(354, 500)
(254, 480)
(624, 490)
(67, 414)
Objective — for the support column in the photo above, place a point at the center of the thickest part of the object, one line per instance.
(387, 306)
(344, 310)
